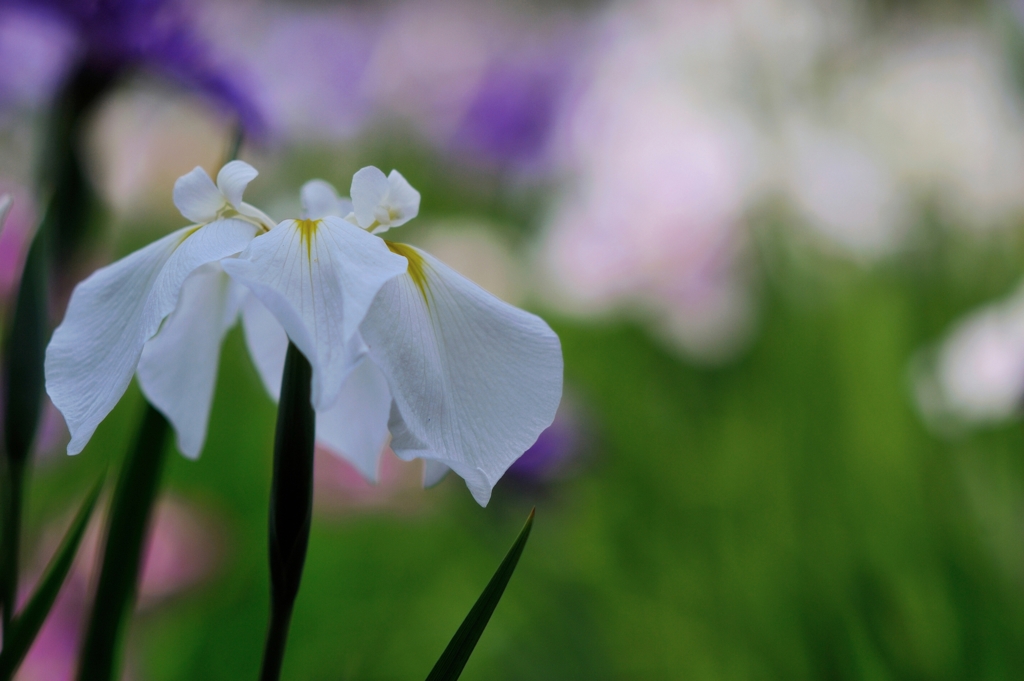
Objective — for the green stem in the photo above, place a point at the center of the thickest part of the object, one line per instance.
(12, 482)
(122, 553)
(291, 503)
(23, 382)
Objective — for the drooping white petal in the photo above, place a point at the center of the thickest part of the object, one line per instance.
(178, 367)
(93, 353)
(267, 343)
(320, 199)
(356, 425)
(474, 380)
(197, 197)
(369, 190)
(232, 180)
(318, 278)
(403, 203)
(433, 472)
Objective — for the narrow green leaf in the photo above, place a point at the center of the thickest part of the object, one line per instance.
(455, 656)
(26, 626)
(122, 551)
(23, 381)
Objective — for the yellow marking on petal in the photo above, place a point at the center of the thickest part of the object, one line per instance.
(190, 232)
(307, 230)
(417, 266)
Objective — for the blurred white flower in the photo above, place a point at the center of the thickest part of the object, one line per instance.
(459, 378)
(977, 373)
(844, 191)
(940, 109)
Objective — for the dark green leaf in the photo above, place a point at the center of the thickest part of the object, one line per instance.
(122, 552)
(291, 503)
(455, 656)
(23, 381)
(30, 620)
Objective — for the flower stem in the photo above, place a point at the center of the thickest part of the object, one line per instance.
(291, 503)
(122, 553)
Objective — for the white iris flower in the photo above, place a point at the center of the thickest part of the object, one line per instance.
(165, 308)
(458, 377)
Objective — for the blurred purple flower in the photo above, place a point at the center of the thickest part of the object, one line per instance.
(511, 115)
(553, 451)
(115, 37)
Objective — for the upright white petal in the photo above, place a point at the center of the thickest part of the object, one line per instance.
(356, 425)
(369, 190)
(178, 368)
(267, 343)
(318, 278)
(474, 380)
(197, 197)
(403, 203)
(93, 353)
(232, 180)
(320, 199)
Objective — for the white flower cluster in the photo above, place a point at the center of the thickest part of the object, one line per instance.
(398, 342)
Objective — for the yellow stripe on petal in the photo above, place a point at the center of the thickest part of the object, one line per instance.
(307, 230)
(417, 266)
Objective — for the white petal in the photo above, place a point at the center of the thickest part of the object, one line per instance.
(232, 180)
(197, 197)
(267, 343)
(433, 472)
(403, 201)
(356, 425)
(369, 189)
(251, 211)
(93, 353)
(178, 368)
(474, 379)
(320, 199)
(318, 278)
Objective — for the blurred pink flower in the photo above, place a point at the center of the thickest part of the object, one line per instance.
(655, 217)
(183, 551)
(339, 487)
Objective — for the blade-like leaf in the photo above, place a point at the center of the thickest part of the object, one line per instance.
(455, 656)
(23, 380)
(127, 524)
(26, 626)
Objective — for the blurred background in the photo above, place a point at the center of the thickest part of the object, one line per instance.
(781, 242)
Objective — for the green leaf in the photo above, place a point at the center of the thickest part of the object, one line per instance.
(122, 551)
(455, 656)
(23, 380)
(26, 626)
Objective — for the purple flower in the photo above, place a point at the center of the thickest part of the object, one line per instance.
(115, 37)
(553, 451)
(512, 114)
